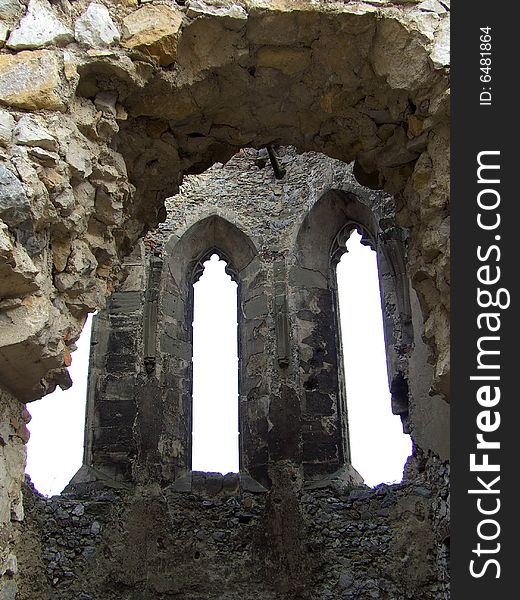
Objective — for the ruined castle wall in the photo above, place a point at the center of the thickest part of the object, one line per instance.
(140, 390)
(103, 113)
(135, 524)
(217, 540)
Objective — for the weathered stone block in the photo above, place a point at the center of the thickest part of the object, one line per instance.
(287, 60)
(30, 132)
(256, 307)
(320, 447)
(175, 347)
(116, 387)
(18, 274)
(95, 27)
(155, 31)
(173, 306)
(120, 413)
(307, 278)
(125, 302)
(285, 419)
(14, 204)
(40, 27)
(115, 439)
(318, 403)
(32, 80)
(121, 342)
(11, 9)
(7, 124)
(118, 363)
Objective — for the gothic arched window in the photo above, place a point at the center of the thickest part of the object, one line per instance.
(320, 244)
(215, 367)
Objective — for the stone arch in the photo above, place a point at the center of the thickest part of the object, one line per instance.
(326, 228)
(319, 246)
(212, 233)
(367, 84)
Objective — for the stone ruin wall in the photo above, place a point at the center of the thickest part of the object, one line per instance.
(103, 113)
(331, 537)
(219, 541)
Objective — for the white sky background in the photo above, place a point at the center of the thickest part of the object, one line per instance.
(378, 446)
(55, 448)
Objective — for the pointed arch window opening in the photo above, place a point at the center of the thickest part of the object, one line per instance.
(373, 429)
(215, 418)
(200, 265)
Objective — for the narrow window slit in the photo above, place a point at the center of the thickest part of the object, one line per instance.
(378, 446)
(215, 370)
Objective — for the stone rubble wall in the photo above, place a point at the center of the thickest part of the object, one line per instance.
(218, 540)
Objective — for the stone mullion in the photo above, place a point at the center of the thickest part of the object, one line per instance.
(253, 371)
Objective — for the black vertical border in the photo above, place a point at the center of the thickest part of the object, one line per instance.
(477, 128)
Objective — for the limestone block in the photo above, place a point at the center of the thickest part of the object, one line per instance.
(80, 266)
(7, 124)
(14, 204)
(24, 321)
(70, 66)
(79, 158)
(196, 8)
(22, 330)
(441, 50)
(17, 270)
(11, 9)
(424, 22)
(32, 80)
(60, 254)
(4, 32)
(86, 117)
(207, 43)
(29, 132)
(280, 5)
(44, 157)
(106, 102)
(289, 28)
(155, 31)
(432, 6)
(399, 56)
(27, 172)
(108, 210)
(395, 151)
(95, 27)
(40, 27)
